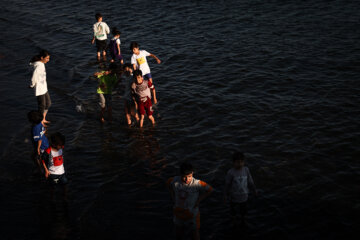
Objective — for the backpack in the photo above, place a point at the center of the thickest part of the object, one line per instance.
(113, 48)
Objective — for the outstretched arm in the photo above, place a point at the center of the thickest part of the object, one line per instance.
(156, 58)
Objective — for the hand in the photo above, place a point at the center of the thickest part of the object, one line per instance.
(158, 61)
(92, 41)
(38, 151)
(47, 173)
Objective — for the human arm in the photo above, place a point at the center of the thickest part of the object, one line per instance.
(208, 190)
(44, 159)
(34, 77)
(38, 146)
(156, 58)
(93, 39)
(118, 46)
(251, 183)
(170, 188)
(228, 182)
(107, 29)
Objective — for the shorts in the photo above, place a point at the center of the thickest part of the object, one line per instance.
(238, 208)
(101, 45)
(44, 102)
(147, 76)
(145, 106)
(57, 179)
(105, 100)
(193, 223)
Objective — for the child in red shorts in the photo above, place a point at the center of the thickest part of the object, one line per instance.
(141, 88)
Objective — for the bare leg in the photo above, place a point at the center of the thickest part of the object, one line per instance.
(128, 115)
(102, 112)
(151, 118)
(104, 55)
(141, 121)
(44, 121)
(98, 56)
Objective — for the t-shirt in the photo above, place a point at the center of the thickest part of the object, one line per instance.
(117, 40)
(142, 90)
(101, 29)
(38, 79)
(106, 83)
(186, 196)
(141, 62)
(55, 162)
(38, 133)
(238, 183)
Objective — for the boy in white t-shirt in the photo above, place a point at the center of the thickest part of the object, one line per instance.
(187, 193)
(237, 186)
(139, 62)
(101, 29)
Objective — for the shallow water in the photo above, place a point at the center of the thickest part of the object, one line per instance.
(276, 80)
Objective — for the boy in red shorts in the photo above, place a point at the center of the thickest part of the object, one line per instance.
(141, 88)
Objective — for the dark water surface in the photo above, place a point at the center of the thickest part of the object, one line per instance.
(277, 80)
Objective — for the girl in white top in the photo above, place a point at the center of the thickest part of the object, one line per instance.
(38, 82)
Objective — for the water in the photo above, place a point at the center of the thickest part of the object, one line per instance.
(276, 80)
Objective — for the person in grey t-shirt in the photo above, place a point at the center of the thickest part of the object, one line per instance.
(237, 186)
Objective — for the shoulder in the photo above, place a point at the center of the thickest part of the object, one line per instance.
(145, 52)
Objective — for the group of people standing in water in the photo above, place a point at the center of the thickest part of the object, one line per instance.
(186, 191)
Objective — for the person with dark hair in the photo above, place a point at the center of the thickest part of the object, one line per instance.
(101, 29)
(187, 193)
(39, 139)
(141, 89)
(38, 81)
(114, 47)
(138, 60)
(130, 104)
(108, 80)
(237, 185)
(53, 161)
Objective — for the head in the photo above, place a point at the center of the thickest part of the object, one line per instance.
(57, 141)
(137, 75)
(116, 33)
(134, 47)
(35, 117)
(98, 17)
(186, 172)
(43, 56)
(128, 68)
(238, 160)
